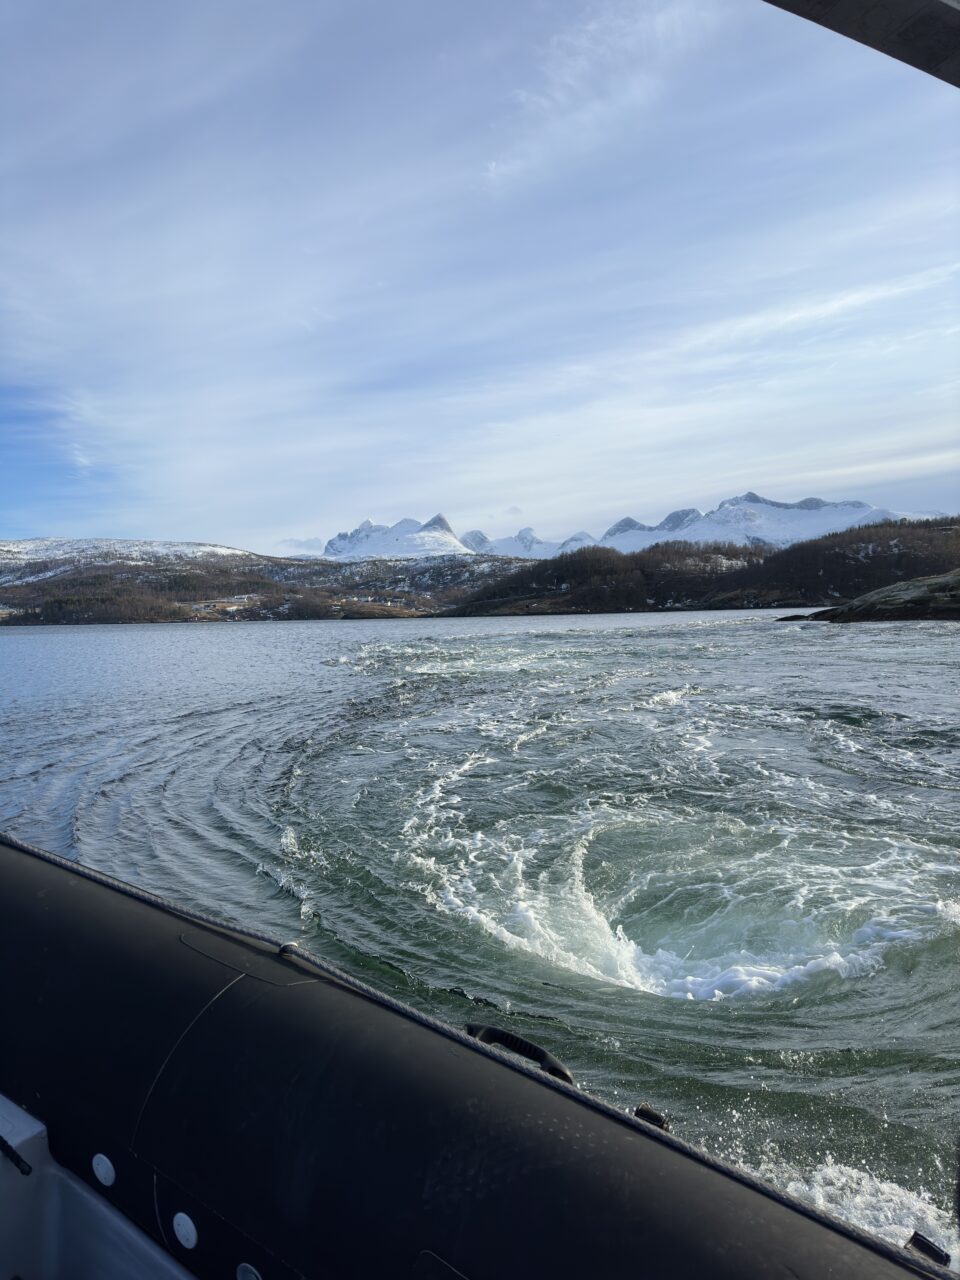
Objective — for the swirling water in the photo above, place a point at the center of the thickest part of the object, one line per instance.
(709, 860)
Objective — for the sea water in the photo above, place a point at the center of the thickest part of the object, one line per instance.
(709, 860)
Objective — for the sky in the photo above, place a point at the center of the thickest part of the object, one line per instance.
(269, 270)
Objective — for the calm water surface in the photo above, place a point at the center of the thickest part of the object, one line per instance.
(709, 860)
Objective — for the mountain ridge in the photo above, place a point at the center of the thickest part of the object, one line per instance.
(28, 550)
(746, 519)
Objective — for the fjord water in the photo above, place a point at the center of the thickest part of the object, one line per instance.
(709, 860)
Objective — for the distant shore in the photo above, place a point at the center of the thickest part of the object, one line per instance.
(828, 573)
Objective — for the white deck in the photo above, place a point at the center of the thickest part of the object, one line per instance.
(54, 1227)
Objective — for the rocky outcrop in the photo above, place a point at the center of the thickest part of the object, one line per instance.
(934, 599)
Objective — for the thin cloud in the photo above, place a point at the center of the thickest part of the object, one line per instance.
(593, 77)
(254, 284)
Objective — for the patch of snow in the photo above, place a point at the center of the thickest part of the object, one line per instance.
(14, 578)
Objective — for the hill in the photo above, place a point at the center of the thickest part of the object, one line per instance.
(841, 566)
(24, 551)
(675, 575)
(147, 582)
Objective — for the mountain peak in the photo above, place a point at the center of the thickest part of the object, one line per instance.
(528, 538)
(477, 540)
(577, 540)
(680, 519)
(626, 525)
(749, 497)
(439, 522)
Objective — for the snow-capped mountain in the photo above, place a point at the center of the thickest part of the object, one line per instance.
(746, 520)
(526, 545)
(476, 540)
(577, 540)
(749, 520)
(109, 550)
(403, 540)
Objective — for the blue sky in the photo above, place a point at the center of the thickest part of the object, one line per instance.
(266, 270)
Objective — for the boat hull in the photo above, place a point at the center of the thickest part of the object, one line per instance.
(306, 1125)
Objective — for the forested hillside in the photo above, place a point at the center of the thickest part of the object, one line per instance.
(601, 580)
(676, 575)
(247, 589)
(841, 566)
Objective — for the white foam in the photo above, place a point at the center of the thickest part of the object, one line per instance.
(873, 1204)
(487, 877)
(289, 884)
(667, 698)
(702, 904)
(557, 919)
(594, 950)
(294, 851)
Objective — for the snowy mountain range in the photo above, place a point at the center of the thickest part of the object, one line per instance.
(747, 520)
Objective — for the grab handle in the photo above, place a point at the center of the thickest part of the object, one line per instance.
(526, 1048)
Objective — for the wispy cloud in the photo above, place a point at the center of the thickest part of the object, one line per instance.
(595, 78)
(254, 285)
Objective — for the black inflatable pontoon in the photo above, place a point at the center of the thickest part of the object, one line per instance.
(255, 1113)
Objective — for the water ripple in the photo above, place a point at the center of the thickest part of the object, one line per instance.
(709, 860)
